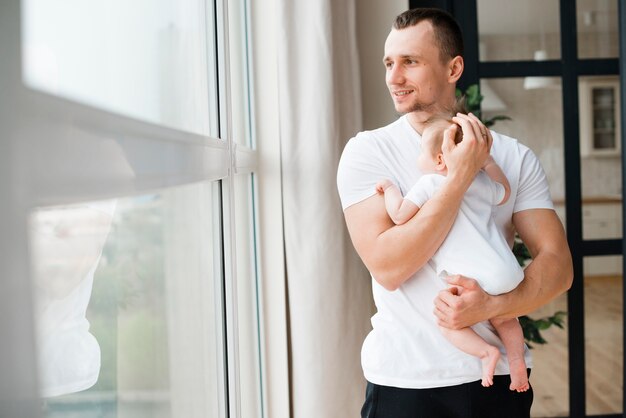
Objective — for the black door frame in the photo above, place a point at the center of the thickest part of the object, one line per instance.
(569, 68)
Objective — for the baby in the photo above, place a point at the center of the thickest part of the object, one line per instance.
(474, 247)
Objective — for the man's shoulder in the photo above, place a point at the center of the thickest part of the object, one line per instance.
(503, 140)
(506, 145)
(382, 134)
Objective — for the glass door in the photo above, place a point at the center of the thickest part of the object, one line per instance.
(553, 67)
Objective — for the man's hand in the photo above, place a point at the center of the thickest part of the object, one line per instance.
(468, 156)
(463, 304)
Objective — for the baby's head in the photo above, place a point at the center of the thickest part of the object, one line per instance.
(431, 158)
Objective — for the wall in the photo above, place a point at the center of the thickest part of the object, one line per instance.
(374, 20)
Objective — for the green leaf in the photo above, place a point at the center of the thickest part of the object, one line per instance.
(543, 324)
(532, 327)
(492, 121)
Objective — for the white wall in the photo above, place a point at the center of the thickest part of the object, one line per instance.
(374, 20)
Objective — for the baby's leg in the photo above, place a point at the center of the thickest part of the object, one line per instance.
(468, 341)
(510, 332)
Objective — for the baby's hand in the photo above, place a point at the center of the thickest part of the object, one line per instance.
(382, 185)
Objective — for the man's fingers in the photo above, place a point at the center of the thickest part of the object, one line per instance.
(466, 126)
(440, 300)
(458, 280)
(473, 126)
(446, 300)
(442, 318)
(484, 131)
(442, 311)
(448, 138)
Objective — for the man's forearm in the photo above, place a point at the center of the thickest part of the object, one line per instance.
(546, 277)
(403, 249)
(549, 274)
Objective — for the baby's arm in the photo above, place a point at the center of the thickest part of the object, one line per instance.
(495, 173)
(399, 209)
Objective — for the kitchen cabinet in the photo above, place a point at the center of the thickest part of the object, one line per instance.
(600, 127)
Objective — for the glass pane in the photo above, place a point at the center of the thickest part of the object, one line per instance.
(601, 165)
(239, 80)
(536, 121)
(127, 306)
(602, 217)
(603, 335)
(512, 30)
(247, 300)
(144, 59)
(550, 377)
(598, 34)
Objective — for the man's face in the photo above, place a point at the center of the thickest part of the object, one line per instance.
(416, 77)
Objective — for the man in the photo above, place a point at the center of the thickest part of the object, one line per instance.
(411, 370)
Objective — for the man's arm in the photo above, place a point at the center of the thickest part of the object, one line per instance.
(548, 275)
(392, 253)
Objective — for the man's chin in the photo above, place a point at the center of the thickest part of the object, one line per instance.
(403, 110)
(414, 107)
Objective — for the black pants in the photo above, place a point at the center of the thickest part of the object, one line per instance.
(469, 400)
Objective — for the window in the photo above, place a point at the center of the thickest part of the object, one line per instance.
(128, 318)
(147, 60)
(133, 239)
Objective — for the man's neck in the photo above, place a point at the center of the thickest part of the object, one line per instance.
(417, 120)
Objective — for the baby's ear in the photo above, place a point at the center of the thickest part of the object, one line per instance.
(440, 163)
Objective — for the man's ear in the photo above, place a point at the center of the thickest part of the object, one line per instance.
(455, 69)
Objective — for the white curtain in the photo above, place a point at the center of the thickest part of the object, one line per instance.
(329, 291)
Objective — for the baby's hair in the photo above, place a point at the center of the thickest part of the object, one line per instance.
(434, 123)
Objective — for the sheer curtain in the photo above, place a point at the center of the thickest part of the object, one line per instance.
(329, 291)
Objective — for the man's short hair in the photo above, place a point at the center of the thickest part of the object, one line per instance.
(447, 31)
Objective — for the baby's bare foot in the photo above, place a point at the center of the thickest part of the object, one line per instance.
(489, 361)
(519, 376)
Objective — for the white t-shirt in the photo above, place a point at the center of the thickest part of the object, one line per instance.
(474, 247)
(406, 348)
